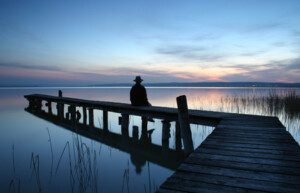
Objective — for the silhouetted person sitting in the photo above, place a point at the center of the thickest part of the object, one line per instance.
(138, 94)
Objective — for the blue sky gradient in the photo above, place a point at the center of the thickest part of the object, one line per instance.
(87, 42)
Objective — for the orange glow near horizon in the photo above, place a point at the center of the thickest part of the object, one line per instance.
(182, 73)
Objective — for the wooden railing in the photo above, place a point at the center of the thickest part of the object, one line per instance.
(80, 109)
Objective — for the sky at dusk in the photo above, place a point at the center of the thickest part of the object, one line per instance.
(90, 42)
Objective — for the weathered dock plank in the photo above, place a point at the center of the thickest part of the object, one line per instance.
(253, 150)
(243, 165)
(188, 185)
(240, 173)
(246, 160)
(239, 182)
(253, 146)
(243, 153)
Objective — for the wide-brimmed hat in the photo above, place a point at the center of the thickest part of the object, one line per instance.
(138, 79)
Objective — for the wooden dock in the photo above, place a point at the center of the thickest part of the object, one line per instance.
(244, 153)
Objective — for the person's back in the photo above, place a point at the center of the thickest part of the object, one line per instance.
(138, 94)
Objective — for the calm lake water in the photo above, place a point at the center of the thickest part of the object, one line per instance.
(40, 156)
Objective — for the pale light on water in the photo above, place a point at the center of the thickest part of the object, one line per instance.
(39, 156)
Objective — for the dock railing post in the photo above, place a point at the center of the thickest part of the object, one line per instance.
(73, 113)
(84, 113)
(49, 105)
(60, 106)
(91, 117)
(144, 133)
(185, 129)
(37, 105)
(125, 124)
(165, 133)
(178, 145)
(105, 120)
(135, 134)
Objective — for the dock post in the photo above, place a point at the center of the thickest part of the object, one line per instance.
(78, 115)
(49, 105)
(125, 124)
(60, 110)
(135, 134)
(165, 133)
(105, 120)
(84, 115)
(178, 144)
(37, 104)
(72, 112)
(91, 117)
(185, 129)
(31, 104)
(60, 107)
(144, 133)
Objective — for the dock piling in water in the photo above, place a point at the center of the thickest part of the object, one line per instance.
(84, 114)
(178, 144)
(60, 106)
(91, 117)
(105, 120)
(73, 112)
(49, 105)
(165, 133)
(125, 124)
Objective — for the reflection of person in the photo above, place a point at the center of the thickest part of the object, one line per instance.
(138, 161)
(138, 94)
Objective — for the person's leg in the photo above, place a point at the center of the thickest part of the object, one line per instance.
(150, 119)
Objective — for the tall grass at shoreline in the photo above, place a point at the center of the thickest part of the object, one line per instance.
(284, 104)
(275, 103)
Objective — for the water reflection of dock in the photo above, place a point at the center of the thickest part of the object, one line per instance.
(140, 148)
(244, 153)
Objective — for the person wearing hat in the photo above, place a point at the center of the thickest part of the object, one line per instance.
(138, 94)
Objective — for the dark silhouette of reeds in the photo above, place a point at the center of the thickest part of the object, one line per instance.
(83, 167)
(52, 155)
(126, 179)
(274, 103)
(35, 166)
(15, 183)
(82, 161)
